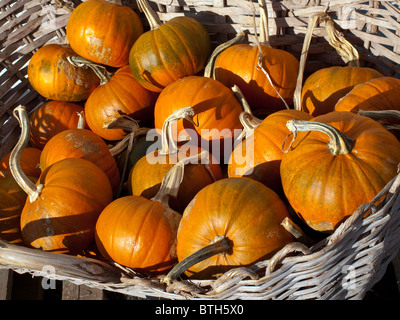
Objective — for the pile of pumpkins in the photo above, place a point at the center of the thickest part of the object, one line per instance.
(63, 189)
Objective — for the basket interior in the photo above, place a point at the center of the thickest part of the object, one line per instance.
(371, 26)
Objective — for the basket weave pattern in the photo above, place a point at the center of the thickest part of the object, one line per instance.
(343, 266)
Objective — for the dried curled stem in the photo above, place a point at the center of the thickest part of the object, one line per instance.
(168, 143)
(220, 244)
(338, 142)
(23, 181)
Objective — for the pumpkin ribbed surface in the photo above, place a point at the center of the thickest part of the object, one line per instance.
(238, 65)
(121, 94)
(216, 108)
(81, 143)
(52, 76)
(320, 185)
(325, 87)
(50, 118)
(243, 210)
(63, 217)
(174, 50)
(103, 32)
(134, 232)
(12, 201)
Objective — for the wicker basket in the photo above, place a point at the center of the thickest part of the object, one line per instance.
(344, 265)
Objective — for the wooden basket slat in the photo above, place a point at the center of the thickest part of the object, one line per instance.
(27, 15)
(29, 30)
(14, 69)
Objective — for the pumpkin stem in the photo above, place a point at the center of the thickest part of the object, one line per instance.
(265, 43)
(221, 244)
(312, 23)
(345, 49)
(81, 121)
(380, 114)
(296, 231)
(23, 181)
(173, 179)
(338, 142)
(126, 144)
(168, 143)
(264, 26)
(209, 70)
(116, 2)
(247, 119)
(348, 53)
(151, 16)
(385, 115)
(98, 69)
(120, 146)
(123, 122)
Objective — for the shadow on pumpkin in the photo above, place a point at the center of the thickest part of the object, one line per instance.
(68, 234)
(254, 94)
(386, 100)
(44, 125)
(156, 269)
(268, 173)
(316, 107)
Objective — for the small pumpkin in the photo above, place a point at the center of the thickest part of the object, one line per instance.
(373, 95)
(147, 174)
(339, 162)
(259, 155)
(140, 233)
(216, 113)
(103, 31)
(118, 94)
(81, 143)
(323, 89)
(241, 210)
(267, 76)
(168, 51)
(52, 117)
(62, 208)
(53, 77)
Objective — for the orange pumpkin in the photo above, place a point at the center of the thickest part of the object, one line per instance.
(148, 172)
(373, 95)
(118, 94)
(55, 78)
(52, 117)
(168, 51)
(140, 233)
(259, 155)
(323, 89)
(103, 32)
(61, 210)
(81, 143)
(265, 75)
(241, 210)
(216, 113)
(339, 162)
